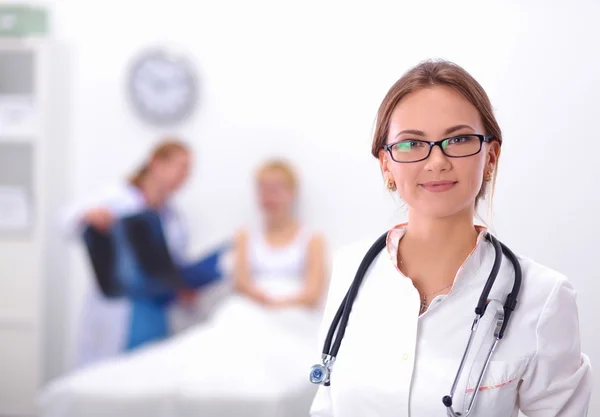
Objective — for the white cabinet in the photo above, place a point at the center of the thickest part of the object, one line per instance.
(33, 164)
(19, 367)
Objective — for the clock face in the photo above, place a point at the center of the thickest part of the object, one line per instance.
(162, 87)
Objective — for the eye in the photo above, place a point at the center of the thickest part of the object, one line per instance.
(408, 145)
(460, 140)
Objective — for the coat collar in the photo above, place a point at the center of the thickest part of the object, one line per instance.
(467, 270)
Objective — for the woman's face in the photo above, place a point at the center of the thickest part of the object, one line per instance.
(439, 186)
(275, 194)
(173, 171)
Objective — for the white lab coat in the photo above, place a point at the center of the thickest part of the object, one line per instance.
(105, 322)
(393, 362)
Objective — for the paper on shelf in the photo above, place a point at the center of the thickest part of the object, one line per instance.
(18, 117)
(15, 210)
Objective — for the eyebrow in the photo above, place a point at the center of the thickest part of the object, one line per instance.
(446, 132)
(456, 128)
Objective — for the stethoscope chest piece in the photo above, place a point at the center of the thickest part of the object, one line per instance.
(320, 373)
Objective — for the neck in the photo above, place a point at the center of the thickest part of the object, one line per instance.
(432, 250)
(280, 224)
(441, 235)
(153, 194)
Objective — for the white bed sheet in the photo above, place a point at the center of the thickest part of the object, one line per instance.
(246, 361)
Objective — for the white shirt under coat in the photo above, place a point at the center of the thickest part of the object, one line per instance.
(393, 362)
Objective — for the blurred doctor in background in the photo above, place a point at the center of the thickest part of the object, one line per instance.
(108, 324)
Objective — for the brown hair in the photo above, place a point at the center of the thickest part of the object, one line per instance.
(436, 73)
(281, 167)
(163, 150)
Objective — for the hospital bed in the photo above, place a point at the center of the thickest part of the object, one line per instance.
(244, 361)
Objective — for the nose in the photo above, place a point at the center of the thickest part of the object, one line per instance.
(437, 161)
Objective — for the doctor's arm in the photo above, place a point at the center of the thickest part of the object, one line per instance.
(558, 381)
(97, 211)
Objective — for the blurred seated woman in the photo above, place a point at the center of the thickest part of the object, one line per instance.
(279, 248)
(249, 358)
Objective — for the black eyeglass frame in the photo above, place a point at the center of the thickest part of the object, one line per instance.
(482, 138)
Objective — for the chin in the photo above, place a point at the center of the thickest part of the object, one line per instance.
(441, 205)
(270, 214)
(439, 213)
(173, 188)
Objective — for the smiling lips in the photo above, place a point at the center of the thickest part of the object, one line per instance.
(438, 186)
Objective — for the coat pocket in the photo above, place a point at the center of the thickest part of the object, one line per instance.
(498, 390)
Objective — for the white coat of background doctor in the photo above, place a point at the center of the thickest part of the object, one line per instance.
(438, 143)
(105, 322)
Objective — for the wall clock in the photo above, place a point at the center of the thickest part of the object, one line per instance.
(162, 87)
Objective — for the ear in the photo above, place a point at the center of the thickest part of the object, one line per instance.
(384, 160)
(152, 163)
(493, 153)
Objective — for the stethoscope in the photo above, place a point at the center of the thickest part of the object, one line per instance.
(321, 373)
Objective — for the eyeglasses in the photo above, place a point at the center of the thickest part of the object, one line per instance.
(414, 150)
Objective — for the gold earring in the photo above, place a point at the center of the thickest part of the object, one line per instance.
(391, 185)
(488, 176)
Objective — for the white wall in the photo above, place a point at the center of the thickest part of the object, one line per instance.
(305, 79)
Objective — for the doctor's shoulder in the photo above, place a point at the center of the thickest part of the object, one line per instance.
(116, 197)
(541, 283)
(346, 260)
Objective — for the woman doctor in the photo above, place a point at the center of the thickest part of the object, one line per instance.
(114, 325)
(411, 320)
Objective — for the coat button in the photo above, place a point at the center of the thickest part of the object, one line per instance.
(405, 356)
